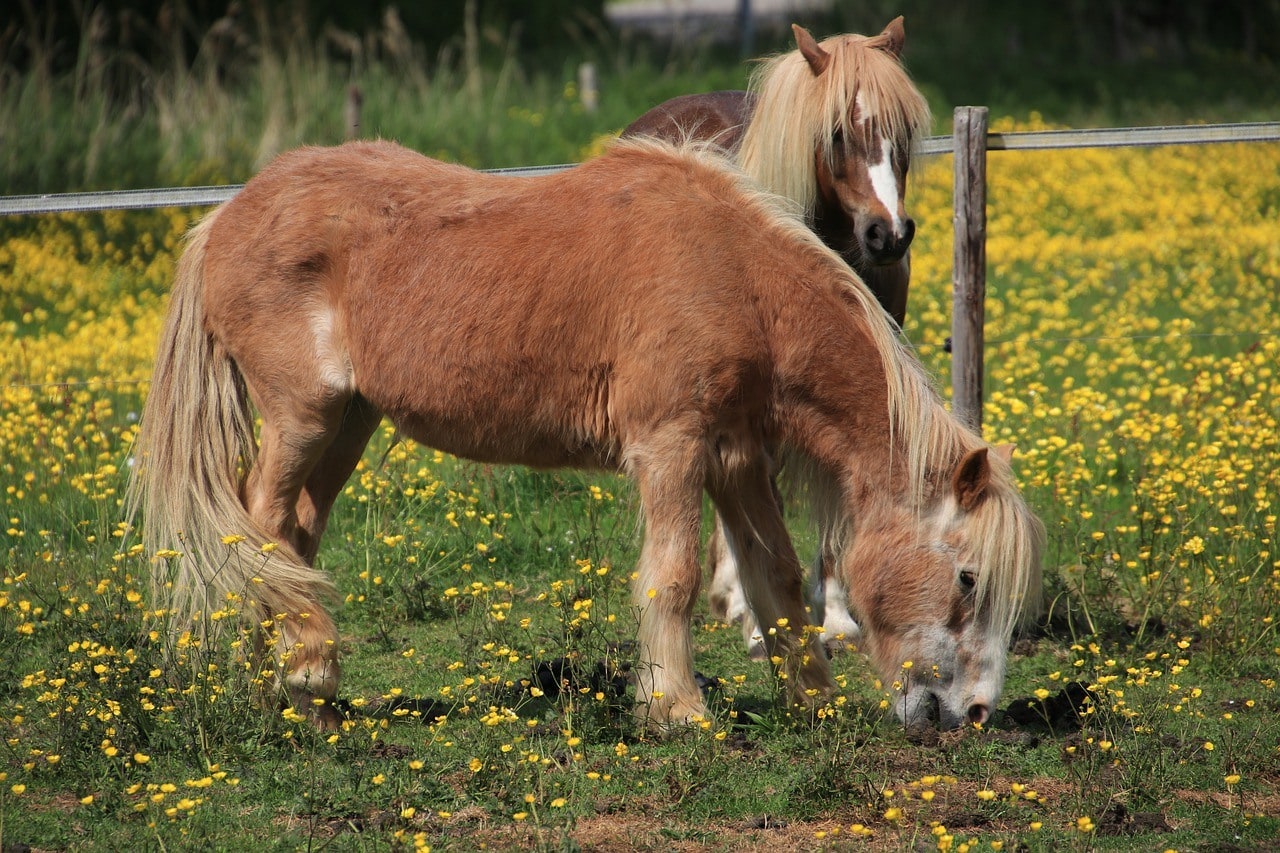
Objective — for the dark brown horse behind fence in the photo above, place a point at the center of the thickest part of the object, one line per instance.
(649, 311)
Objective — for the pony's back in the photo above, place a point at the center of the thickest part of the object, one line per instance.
(648, 261)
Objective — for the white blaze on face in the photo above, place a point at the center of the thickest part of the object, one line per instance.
(885, 183)
(991, 668)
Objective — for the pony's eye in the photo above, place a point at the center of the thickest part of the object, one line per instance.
(968, 579)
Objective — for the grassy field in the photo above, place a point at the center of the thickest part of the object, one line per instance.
(1133, 356)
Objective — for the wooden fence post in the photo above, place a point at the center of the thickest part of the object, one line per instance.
(351, 111)
(588, 87)
(969, 271)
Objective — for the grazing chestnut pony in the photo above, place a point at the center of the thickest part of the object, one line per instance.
(832, 126)
(650, 311)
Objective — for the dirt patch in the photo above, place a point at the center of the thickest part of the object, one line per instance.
(1264, 805)
(1117, 820)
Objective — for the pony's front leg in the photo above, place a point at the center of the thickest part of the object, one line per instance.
(666, 587)
(773, 581)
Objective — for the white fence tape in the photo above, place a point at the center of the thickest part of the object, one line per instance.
(1020, 141)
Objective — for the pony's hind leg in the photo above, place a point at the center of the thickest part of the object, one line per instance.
(772, 577)
(840, 630)
(293, 440)
(726, 599)
(669, 478)
(359, 422)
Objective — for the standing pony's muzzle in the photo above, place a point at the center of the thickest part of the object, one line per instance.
(882, 244)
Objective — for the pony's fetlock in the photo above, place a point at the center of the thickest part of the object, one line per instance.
(312, 685)
(663, 715)
(311, 672)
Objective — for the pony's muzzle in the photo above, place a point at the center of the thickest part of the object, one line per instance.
(923, 707)
(882, 244)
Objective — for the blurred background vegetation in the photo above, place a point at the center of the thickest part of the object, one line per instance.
(154, 92)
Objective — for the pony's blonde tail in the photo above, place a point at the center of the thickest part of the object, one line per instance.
(195, 444)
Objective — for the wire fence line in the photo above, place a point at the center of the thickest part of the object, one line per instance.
(1037, 140)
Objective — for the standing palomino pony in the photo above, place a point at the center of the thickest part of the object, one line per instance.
(832, 126)
(648, 311)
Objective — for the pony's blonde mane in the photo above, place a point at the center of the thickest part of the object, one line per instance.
(797, 113)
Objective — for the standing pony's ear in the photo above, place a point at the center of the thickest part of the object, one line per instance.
(971, 478)
(1004, 452)
(895, 37)
(812, 52)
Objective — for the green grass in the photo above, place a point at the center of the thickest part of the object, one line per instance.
(442, 563)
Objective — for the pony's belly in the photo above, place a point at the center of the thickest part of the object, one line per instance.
(492, 440)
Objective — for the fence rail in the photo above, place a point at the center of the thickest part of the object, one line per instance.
(933, 145)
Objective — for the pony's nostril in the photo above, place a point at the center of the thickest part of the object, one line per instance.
(979, 713)
(875, 237)
(908, 234)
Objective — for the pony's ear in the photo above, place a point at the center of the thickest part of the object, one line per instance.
(1004, 452)
(812, 52)
(970, 480)
(895, 37)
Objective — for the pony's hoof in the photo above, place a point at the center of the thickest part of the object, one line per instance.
(325, 717)
(662, 722)
(757, 652)
(838, 645)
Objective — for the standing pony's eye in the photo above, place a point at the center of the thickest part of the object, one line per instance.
(968, 579)
(839, 154)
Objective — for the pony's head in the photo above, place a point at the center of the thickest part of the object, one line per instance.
(834, 127)
(940, 588)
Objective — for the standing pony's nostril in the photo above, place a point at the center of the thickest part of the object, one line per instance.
(875, 238)
(908, 234)
(978, 713)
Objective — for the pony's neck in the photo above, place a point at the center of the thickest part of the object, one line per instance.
(853, 400)
(835, 406)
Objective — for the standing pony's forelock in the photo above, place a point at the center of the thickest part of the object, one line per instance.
(796, 111)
